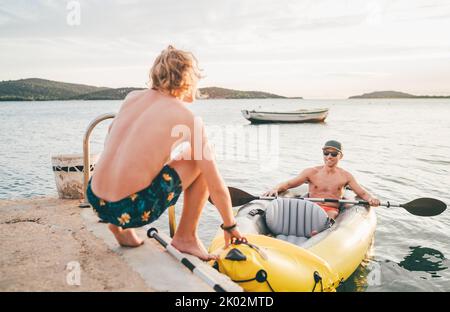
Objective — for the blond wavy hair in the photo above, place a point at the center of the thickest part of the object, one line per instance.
(174, 72)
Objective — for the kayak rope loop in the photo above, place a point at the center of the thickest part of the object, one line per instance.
(317, 279)
(341, 283)
(260, 277)
(253, 246)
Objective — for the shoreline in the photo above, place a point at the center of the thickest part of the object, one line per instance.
(202, 99)
(234, 99)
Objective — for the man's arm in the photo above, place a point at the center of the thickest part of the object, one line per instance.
(203, 155)
(297, 181)
(361, 192)
(216, 186)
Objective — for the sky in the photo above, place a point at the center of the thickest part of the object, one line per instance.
(313, 48)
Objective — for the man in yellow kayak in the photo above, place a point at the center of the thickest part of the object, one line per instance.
(327, 181)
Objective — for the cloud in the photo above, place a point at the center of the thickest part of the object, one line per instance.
(267, 39)
(357, 74)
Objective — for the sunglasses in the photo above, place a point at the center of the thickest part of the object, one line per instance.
(333, 154)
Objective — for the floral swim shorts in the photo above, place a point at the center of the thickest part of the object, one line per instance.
(143, 207)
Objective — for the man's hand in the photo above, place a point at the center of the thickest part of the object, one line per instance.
(233, 235)
(273, 192)
(374, 201)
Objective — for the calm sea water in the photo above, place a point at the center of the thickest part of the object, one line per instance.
(397, 149)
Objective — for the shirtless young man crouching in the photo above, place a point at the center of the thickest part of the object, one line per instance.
(327, 181)
(135, 180)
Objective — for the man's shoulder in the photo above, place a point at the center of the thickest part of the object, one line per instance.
(346, 173)
(183, 112)
(174, 108)
(135, 93)
(312, 170)
(131, 98)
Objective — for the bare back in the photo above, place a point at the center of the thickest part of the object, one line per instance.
(139, 144)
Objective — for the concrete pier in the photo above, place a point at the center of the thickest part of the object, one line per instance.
(42, 236)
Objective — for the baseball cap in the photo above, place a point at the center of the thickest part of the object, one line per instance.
(333, 144)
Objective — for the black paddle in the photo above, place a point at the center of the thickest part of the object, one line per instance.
(424, 207)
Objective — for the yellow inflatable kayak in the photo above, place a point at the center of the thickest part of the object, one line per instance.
(283, 256)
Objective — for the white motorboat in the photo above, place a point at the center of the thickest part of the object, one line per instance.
(301, 115)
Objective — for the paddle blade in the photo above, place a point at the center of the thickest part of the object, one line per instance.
(239, 197)
(425, 207)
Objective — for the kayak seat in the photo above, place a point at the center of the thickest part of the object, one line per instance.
(293, 220)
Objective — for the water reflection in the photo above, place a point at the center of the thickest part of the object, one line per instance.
(357, 282)
(424, 259)
(366, 274)
(372, 274)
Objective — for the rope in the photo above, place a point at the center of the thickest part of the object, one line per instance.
(71, 169)
(261, 276)
(317, 279)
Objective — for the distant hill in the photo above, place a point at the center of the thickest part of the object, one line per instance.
(221, 93)
(108, 94)
(394, 95)
(35, 89)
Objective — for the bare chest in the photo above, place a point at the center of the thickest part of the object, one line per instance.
(327, 184)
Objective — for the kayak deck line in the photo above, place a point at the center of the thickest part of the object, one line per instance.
(160, 270)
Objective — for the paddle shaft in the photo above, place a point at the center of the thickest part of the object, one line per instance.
(332, 200)
(153, 233)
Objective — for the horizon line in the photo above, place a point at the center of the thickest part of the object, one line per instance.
(287, 97)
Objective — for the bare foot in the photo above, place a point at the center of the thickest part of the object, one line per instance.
(193, 247)
(314, 232)
(126, 238)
